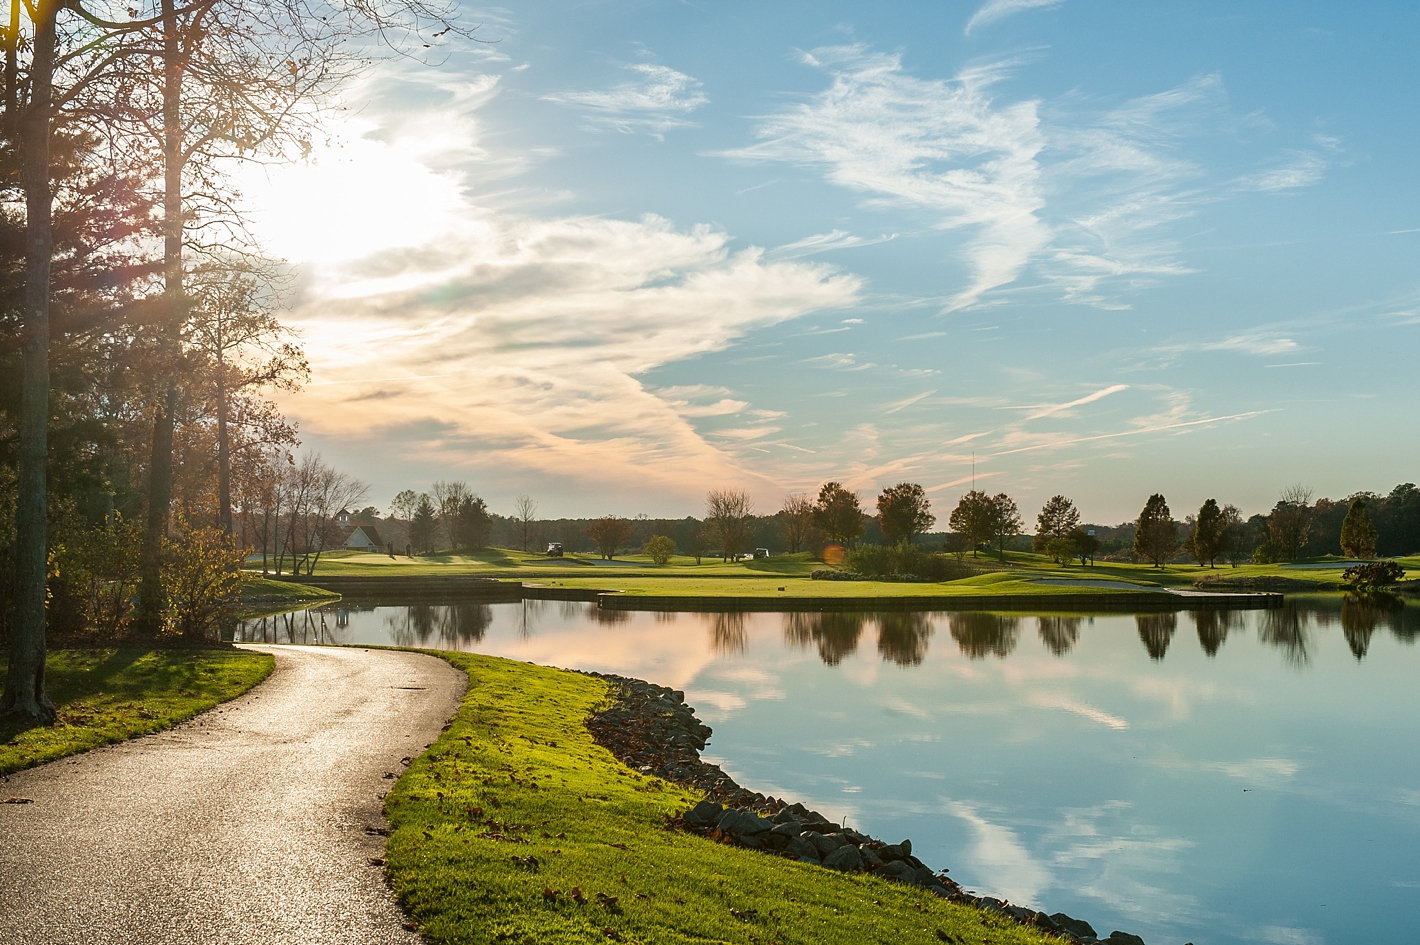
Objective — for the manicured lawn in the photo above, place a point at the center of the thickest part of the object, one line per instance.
(108, 695)
(1019, 574)
(514, 811)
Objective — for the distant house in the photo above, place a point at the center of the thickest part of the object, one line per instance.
(357, 537)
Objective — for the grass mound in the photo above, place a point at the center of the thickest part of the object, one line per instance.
(516, 827)
(108, 695)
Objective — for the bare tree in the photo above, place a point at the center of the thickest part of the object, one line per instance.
(448, 500)
(796, 517)
(728, 515)
(525, 517)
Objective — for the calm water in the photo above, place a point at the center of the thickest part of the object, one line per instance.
(1211, 777)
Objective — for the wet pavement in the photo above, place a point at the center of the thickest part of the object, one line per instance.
(251, 823)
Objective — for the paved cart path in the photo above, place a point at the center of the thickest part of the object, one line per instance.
(244, 825)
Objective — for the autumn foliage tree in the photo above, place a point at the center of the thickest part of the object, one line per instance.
(729, 519)
(609, 533)
(796, 517)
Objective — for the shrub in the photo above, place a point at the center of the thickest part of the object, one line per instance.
(833, 574)
(202, 578)
(96, 570)
(660, 549)
(902, 562)
(1374, 574)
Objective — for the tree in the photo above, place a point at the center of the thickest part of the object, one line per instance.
(796, 517)
(1358, 535)
(403, 505)
(1061, 550)
(525, 517)
(1086, 545)
(422, 524)
(448, 500)
(838, 514)
(1290, 523)
(974, 517)
(1209, 533)
(660, 548)
(472, 524)
(1156, 533)
(729, 516)
(609, 533)
(904, 512)
(1005, 521)
(697, 541)
(1058, 518)
(1235, 547)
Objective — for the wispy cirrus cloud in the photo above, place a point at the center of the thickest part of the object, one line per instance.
(825, 242)
(655, 102)
(1302, 169)
(994, 10)
(943, 146)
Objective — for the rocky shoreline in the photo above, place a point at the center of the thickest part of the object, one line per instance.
(651, 729)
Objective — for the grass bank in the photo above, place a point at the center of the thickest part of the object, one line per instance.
(265, 596)
(109, 695)
(515, 813)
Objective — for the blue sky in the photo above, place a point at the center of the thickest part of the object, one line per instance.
(625, 252)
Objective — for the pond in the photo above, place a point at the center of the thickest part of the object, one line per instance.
(1213, 777)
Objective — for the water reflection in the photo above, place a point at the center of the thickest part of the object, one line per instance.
(1287, 628)
(1059, 634)
(446, 626)
(1157, 630)
(728, 634)
(835, 634)
(903, 636)
(1214, 627)
(979, 635)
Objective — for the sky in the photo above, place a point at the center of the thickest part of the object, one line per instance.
(613, 254)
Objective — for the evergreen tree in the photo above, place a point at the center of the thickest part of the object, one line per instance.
(1208, 533)
(421, 527)
(1156, 533)
(1358, 535)
(1058, 518)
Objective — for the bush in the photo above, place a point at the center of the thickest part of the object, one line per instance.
(833, 574)
(202, 579)
(660, 549)
(1374, 574)
(96, 572)
(902, 562)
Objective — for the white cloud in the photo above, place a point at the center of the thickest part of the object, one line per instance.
(940, 146)
(654, 102)
(1304, 169)
(503, 346)
(824, 242)
(995, 10)
(1048, 410)
(1000, 859)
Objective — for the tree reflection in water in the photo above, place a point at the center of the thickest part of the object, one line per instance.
(728, 634)
(454, 626)
(1157, 630)
(1362, 614)
(303, 627)
(1214, 627)
(903, 636)
(835, 634)
(607, 617)
(981, 634)
(1059, 634)
(1286, 628)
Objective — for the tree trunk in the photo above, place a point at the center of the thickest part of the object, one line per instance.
(160, 472)
(224, 458)
(24, 683)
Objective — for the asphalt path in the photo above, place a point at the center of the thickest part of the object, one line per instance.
(255, 822)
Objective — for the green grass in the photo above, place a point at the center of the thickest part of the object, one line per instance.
(254, 586)
(518, 754)
(108, 695)
(1018, 574)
